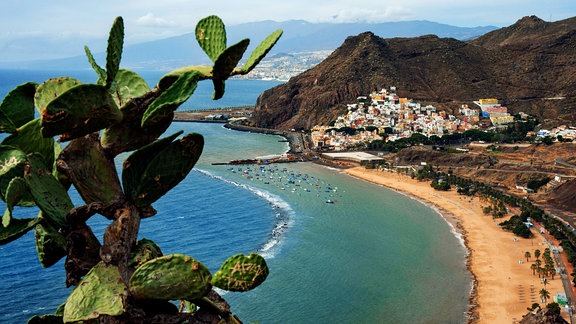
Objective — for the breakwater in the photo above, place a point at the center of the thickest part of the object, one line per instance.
(214, 115)
(296, 140)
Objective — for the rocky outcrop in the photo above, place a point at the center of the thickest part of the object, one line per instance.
(543, 316)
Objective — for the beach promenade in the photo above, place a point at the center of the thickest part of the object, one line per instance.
(505, 286)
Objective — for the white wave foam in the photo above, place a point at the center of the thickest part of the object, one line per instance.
(284, 214)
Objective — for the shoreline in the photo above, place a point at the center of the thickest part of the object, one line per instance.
(503, 285)
(457, 229)
(499, 294)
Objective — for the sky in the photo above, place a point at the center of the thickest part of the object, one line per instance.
(61, 28)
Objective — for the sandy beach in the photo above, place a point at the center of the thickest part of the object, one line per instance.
(505, 285)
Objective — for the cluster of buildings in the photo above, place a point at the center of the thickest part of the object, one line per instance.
(565, 132)
(492, 109)
(281, 67)
(385, 112)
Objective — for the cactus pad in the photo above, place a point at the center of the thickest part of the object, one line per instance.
(129, 85)
(175, 95)
(79, 111)
(241, 273)
(16, 229)
(12, 162)
(100, 71)
(50, 245)
(99, 293)
(90, 170)
(17, 108)
(144, 251)
(49, 194)
(114, 50)
(29, 139)
(171, 277)
(17, 194)
(51, 89)
(261, 50)
(225, 64)
(211, 36)
(152, 171)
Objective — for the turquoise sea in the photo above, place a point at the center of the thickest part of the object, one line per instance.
(340, 250)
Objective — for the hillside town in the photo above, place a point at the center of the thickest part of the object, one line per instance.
(385, 116)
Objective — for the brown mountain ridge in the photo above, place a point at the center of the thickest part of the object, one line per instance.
(529, 66)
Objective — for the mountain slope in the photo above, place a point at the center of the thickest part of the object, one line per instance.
(522, 65)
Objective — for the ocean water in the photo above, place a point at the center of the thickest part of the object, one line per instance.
(340, 250)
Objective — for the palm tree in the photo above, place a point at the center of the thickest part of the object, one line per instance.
(538, 261)
(544, 294)
(537, 254)
(527, 255)
(540, 271)
(551, 269)
(533, 266)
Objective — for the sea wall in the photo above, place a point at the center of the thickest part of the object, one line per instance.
(295, 139)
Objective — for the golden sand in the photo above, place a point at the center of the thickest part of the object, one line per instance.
(505, 285)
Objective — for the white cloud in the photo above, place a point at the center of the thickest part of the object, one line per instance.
(374, 14)
(150, 20)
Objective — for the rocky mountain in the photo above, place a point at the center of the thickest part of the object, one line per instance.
(528, 66)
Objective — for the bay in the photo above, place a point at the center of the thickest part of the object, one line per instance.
(371, 256)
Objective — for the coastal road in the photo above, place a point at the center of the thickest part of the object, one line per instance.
(562, 262)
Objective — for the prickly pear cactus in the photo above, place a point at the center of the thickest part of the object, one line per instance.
(17, 228)
(17, 194)
(129, 85)
(144, 251)
(51, 89)
(241, 273)
(12, 162)
(174, 276)
(177, 93)
(17, 108)
(46, 319)
(79, 111)
(99, 293)
(261, 50)
(50, 244)
(29, 139)
(84, 158)
(114, 50)
(211, 36)
(118, 279)
(153, 170)
(49, 194)
(225, 64)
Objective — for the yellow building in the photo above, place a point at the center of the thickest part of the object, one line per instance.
(489, 101)
(499, 119)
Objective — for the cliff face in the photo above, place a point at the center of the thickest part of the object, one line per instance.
(523, 65)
